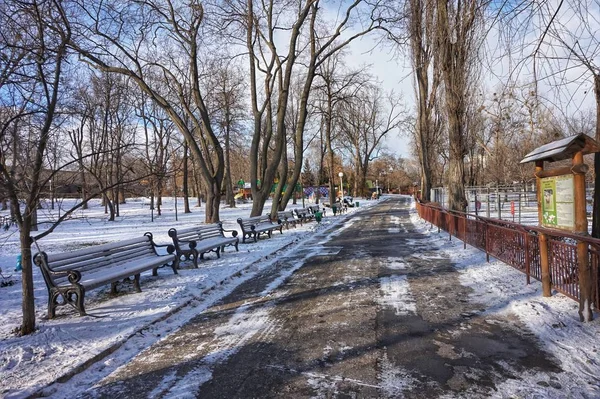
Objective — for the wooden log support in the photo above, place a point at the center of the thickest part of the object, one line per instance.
(579, 168)
(487, 244)
(527, 258)
(545, 264)
(585, 273)
(544, 258)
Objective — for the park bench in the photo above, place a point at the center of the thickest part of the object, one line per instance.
(316, 208)
(254, 226)
(288, 218)
(194, 242)
(69, 275)
(304, 214)
(339, 207)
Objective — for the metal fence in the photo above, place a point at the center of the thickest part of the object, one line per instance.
(518, 246)
(516, 203)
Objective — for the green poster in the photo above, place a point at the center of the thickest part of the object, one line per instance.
(558, 205)
(549, 201)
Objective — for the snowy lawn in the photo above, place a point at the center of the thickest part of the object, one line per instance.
(63, 345)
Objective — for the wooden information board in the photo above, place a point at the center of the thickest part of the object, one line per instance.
(558, 202)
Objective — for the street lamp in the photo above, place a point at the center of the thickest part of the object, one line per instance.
(341, 174)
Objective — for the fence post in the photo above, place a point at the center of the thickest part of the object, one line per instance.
(581, 227)
(520, 208)
(498, 203)
(527, 258)
(487, 210)
(487, 238)
(465, 232)
(544, 262)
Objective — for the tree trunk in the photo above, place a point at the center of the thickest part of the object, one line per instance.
(457, 200)
(596, 205)
(213, 202)
(229, 197)
(186, 194)
(28, 303)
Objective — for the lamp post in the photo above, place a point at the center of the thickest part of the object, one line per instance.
(341, 175)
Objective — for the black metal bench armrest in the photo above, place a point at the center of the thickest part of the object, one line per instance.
(170, 247)
(234, 233)
(41, 259)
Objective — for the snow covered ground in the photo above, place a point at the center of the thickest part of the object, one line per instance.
(65, 344)
(132, 321)
(502, 290)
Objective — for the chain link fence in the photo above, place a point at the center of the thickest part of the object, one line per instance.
(515, 203)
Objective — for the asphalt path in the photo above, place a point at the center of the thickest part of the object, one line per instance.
(372, 311)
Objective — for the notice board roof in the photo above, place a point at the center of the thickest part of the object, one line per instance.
(563, 149)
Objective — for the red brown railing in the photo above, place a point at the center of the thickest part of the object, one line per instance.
(518, 246)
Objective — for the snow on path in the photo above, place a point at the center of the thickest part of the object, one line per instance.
(395, 294)
(554, 320)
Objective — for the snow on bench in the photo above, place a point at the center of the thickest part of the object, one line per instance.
(194, 242)
(254, 226)
(69, 275)
(288, 218)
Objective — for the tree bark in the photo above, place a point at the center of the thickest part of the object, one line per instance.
(596, 205)
(186, 194)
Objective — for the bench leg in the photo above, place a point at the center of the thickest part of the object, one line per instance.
(52, 303)
(236, 247)
(218, 251)
(195, 259)
(175, 265)
(136, 283)
(79, 302)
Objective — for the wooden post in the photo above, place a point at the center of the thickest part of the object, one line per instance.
(581, 228)
(487, 209)
(487, 244)
(527, 258)
(465, 232)
(544, 262)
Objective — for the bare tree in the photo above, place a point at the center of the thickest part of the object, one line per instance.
(422, 36)
(226, 90)
(336, 87)
(458, 39)
(158, 133)
(30, 74)
(122, 39)
(326, 39)
(367, 119)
